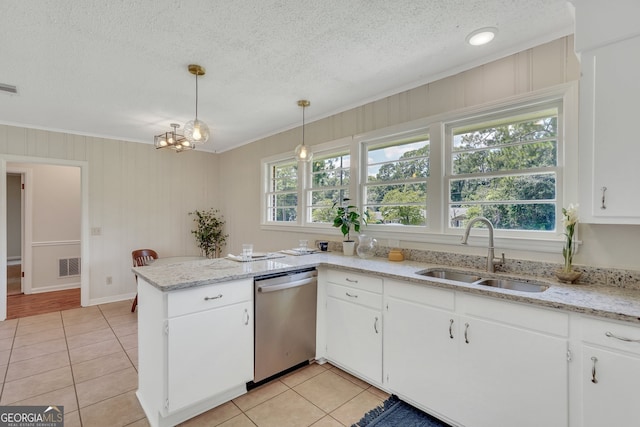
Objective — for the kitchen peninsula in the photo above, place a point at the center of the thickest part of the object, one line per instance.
(181, 374)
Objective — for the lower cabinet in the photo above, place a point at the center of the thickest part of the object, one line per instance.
(609, 374)
(195, 348)
(421, 345)
(476, 361)
(354, 324)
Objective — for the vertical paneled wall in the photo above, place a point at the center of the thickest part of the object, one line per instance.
(138, 197)
(544, 66)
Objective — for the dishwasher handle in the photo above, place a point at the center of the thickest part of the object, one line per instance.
(287, 285)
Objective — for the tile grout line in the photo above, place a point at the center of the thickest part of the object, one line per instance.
(73, 378)
(6, 371)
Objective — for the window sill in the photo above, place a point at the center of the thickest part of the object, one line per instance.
(479, 240)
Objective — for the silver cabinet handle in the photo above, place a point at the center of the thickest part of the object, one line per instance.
(610, 335)
(451, 328)
(210, 298)
(375, 325)
(350, 280)
(603, 205)
(593, 370)
(351, 295)
(466, 330)
(246, 322)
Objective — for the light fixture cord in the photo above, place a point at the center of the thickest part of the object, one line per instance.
(303, 108)
(196, 96)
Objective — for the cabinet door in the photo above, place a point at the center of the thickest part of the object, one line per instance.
(208, 353)
(420, 354)
(511, 376)
(613, 399)
(609, 93)
(354, 338)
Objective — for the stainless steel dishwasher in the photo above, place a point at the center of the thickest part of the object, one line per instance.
(285, 321)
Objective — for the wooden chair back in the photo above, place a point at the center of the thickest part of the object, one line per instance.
(140, 257)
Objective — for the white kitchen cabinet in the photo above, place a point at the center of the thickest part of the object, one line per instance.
(609, 374)
(421, 345)
(195, 348)
(354, 323)
(513, 362)
(498, 365)
(609, 146)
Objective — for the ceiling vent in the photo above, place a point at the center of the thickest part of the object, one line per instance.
(8, 88)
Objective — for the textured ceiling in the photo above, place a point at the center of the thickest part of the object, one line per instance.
(118, 68)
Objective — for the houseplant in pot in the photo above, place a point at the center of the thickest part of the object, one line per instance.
(347, 217)
(209, 232)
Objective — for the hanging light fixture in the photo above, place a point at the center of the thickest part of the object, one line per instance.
(172, 139)
(303, 153)
(196, 131)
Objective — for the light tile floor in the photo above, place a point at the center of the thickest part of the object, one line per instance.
(86, 360)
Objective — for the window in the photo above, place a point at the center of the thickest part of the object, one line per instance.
(395, 186)
(505, 169)
(329, 183)
(282, 191)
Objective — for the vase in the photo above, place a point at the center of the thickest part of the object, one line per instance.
(348, 246)
(568, 276)
(366, 246)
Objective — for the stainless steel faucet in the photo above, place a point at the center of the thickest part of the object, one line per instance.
(492, 261)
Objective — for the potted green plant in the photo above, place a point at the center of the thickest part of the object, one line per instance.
(209, 232)
(347, 217)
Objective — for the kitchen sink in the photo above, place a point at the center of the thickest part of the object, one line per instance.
(459, 276)
(450, 275)
(514, 285)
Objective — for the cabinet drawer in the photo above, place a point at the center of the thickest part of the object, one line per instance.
(515, 314)
(611, 334)
(202, 298)
(355, 280)
(421, 294)
(356, 296)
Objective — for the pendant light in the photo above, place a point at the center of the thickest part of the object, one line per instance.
(196, 131)
(303, 153)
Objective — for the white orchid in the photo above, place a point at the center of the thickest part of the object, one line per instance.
(570, 215)
(569, 221)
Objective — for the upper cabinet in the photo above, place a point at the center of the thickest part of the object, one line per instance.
(607, 41)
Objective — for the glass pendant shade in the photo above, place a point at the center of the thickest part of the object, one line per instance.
(196, 131)
(303, 154)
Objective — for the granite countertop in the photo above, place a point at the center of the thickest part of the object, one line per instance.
(598, 300)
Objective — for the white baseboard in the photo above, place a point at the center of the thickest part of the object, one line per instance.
(53, 288)
(114, 298)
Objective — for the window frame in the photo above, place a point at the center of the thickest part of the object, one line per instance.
(497, 115)
(437, 231)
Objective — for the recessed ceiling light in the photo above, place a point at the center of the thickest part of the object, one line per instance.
(481, 36)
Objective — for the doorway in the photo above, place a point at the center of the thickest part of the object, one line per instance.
(53, 250)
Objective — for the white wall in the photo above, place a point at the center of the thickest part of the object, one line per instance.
(138, 197)
(542, 67)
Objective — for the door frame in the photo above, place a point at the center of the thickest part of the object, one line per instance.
(26, 218)
(84, 222)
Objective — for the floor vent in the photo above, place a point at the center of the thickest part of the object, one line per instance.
(68, 267)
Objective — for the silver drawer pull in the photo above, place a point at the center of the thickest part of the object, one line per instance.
(451, 328)
(375, 325)
(350, 295)
(593, 370)
(210, 298)
(610, 335)
(466, 333)
(246, 313)
(351, 280)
